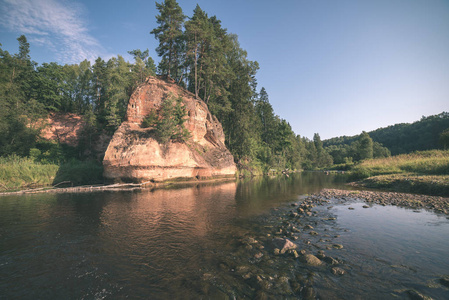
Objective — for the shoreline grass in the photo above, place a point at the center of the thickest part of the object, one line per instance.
(22, 172)
(425, 172)
(17, 173)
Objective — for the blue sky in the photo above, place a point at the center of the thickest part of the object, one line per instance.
(332, 67)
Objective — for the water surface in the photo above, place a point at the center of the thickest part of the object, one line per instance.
(186, 243)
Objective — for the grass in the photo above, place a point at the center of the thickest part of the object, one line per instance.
(433, 162)
(424, 172)
(409, 183)
(18, 173)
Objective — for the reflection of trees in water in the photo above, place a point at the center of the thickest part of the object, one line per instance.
(260, 193)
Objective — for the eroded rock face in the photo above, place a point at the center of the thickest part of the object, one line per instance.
(65, 128)
(135, 155)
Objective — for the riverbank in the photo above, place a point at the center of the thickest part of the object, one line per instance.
(119, 186)
(299, 251)
(437, 185)
(413, 201)
(24, 173)
(423, 172)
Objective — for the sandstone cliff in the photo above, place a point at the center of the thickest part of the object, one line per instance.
(64, 128)
(67, 128)
(134, 154)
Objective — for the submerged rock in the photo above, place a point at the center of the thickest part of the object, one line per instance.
(337, 246)
(308, 293)
(330, 260)
(415, 295)
(445, 281)
(311, 260)
(337, 271)
(284, 245)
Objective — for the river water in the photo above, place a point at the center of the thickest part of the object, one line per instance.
(213, 242)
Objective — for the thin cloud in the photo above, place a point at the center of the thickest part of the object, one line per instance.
(57, 24)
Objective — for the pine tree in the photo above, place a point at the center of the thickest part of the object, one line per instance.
(98, 89)
(170, 125)
(169, 34)
(195, 35)
(143, 65)
(18, 108)
(267, 117)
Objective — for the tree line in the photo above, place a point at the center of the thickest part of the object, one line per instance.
(199, 55)
(29, 92)
(196, 52)
(429, 133)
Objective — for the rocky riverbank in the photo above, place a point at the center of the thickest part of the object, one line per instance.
(414, 201)
(297, 252)
(278, 261)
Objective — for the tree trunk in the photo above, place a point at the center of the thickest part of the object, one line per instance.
(196, 67)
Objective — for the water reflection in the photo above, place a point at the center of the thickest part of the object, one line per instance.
(149, 244)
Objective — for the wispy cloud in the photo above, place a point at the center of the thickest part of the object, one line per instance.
(57, 24)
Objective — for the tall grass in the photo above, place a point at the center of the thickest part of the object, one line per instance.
(433, 162)
(22, 172)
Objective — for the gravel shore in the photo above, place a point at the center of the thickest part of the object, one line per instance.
(415, 201)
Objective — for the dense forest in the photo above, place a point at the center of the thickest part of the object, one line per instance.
(429, 133)
(198, 54)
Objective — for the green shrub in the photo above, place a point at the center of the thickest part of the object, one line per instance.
(169, 121)
(80, 173)
(150, 120)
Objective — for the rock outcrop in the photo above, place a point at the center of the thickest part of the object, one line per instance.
(134, 154)
(67, 128)
(64, 128)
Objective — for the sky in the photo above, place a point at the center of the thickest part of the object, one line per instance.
(329, 67)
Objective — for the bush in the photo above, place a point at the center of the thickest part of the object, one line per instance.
(80, 173)
(150, 120)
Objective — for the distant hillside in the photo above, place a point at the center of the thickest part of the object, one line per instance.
(405, 137)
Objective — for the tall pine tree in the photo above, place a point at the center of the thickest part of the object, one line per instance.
(169, 33)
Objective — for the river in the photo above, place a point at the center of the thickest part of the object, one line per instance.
(213, 241)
